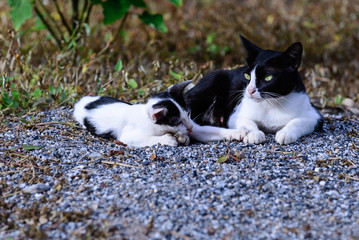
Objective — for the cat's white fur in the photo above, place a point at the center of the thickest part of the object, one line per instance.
(133, 125)
(290, 117)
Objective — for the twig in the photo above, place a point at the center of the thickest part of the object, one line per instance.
(354, 165)
(61, 123)
(9, 172)
(270, 151)
(11, 194)
(119, 164)
(352, 178)
(33, 175)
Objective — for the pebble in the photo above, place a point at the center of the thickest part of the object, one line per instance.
(36, 188)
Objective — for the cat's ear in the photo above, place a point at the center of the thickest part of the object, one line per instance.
(293, 55)
(156, 114)
(252, 50)
(177, 90)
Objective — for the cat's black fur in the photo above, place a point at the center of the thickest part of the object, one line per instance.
(213, 99)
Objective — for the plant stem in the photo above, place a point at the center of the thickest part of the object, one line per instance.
(121, 24)
(64, 22)
(82, 19)
(49, 28)
(51, 20)
(75, 13)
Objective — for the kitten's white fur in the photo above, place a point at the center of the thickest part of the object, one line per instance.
(290, 117)
(132, 124)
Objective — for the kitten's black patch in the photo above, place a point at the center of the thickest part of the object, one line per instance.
(103, 101)
(172, 116)
(213, 99)
(175, 92)
(91, 128)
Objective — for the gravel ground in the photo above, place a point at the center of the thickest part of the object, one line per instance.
(59, 182)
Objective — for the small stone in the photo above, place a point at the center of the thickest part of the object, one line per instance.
(36, 188)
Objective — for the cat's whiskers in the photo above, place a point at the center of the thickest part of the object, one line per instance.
(274, 99)
(238, 94)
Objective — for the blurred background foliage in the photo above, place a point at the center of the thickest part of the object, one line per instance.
(131, 60)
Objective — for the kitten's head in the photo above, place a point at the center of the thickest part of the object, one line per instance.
(272, 74)
(167, 109)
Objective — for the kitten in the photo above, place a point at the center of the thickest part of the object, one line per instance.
(137, 125)
(267, 95)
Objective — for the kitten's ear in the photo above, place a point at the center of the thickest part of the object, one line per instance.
(293, 55)
(156, 114)
(252, 50)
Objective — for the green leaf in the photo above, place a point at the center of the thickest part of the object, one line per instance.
(30, 147)
(176, 75)
(52, 90)
(141, 92)
(154, 20)
(222, 159)
(15, 95)
(177, 3)
(36, 94)
(132, 83)
(20, 11)
(6, 99)
(113, 9)
(118, 66)
(210, 38)
(139, 3)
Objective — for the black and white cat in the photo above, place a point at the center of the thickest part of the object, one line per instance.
(267, 95)
(163, 119)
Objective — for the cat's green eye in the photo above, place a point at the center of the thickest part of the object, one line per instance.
(268, 78)
(247, 76)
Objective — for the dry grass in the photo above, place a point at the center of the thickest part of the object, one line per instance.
(203, 35)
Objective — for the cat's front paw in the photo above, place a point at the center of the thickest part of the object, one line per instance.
(237, 134)
(284, 137)
(182, 139)
(254, 137)
(169, 140)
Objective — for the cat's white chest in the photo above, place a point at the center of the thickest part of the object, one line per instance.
(270, 115)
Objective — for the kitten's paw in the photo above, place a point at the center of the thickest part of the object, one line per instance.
(254, 137)
(182, 139)
(283, 137)
(168, 139)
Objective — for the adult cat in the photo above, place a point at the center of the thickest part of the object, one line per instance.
(267, 95)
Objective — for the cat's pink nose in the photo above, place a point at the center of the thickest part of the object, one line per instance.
(251, 91)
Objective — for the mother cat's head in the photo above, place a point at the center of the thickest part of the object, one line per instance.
(272, 74)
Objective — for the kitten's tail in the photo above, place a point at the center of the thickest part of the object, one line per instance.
(80, 112)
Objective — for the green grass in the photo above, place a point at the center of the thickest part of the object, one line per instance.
(202, 36)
